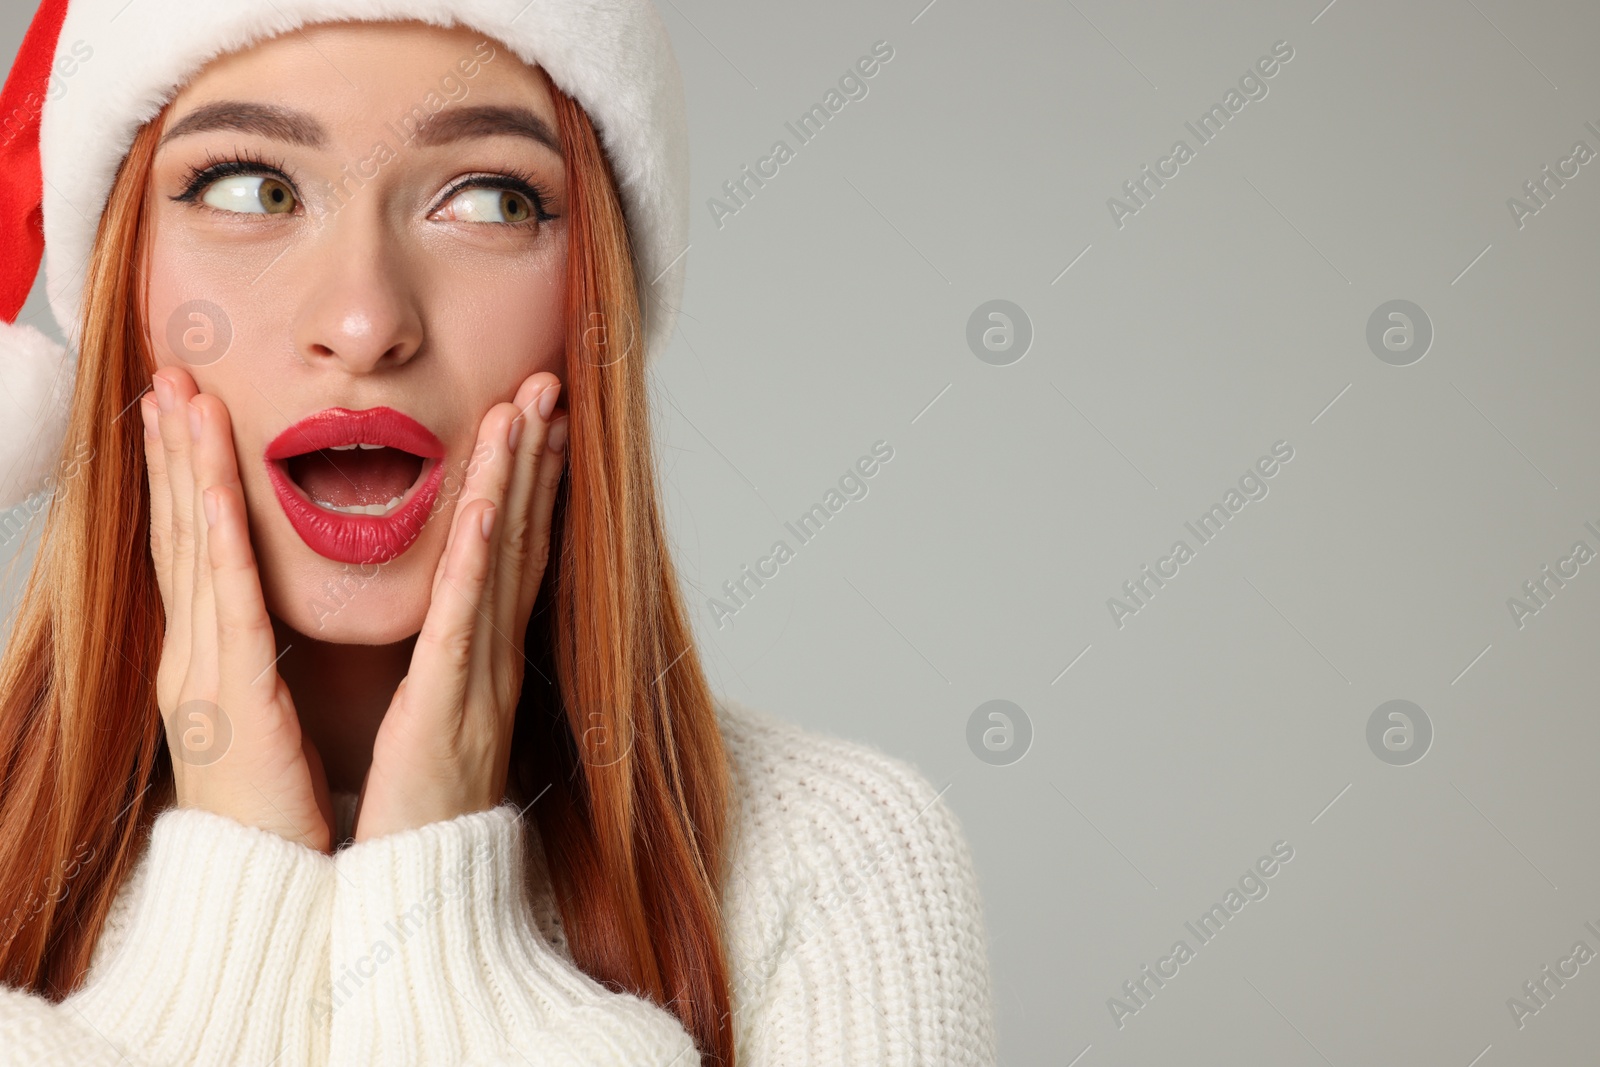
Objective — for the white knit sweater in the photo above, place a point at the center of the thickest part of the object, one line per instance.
(853, 929)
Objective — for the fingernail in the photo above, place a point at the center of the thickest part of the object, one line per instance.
(516, 433)
(163, 394)
(194, 420)
(208, 501)
(488, 521)
(557, 439)
(547, 401)
(147, 412)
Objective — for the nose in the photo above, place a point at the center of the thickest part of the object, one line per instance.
(359, 310)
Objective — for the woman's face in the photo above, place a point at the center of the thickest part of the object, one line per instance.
(357, 216)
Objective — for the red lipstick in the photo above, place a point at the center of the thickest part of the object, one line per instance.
(331, 442)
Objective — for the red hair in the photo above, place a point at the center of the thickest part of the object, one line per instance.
(625, 741)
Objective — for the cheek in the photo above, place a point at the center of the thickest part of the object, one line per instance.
(170, 303)
(201, 309)
(191, 326)
(499, 329)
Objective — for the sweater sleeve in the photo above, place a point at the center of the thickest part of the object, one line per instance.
(223, 947)
(436, 960)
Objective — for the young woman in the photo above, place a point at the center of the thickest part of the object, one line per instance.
(350, 714)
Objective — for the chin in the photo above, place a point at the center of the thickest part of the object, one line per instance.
(345, 603)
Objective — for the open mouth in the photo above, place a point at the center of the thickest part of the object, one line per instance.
(356, 479)
(356, 485)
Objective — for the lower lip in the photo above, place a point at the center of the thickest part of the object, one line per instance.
(358, 539)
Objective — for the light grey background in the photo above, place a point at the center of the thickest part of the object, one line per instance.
(1229, 313)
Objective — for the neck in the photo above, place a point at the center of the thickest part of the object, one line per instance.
(340, 695)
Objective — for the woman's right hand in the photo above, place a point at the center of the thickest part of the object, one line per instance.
(236, 743)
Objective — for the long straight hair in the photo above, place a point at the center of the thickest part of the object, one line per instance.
(616, 745)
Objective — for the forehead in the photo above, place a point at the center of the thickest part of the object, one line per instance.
(355, 73)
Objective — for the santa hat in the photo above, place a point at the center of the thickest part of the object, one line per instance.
(91, 72)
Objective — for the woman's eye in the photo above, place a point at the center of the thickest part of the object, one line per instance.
(489, 205)
(250, 194)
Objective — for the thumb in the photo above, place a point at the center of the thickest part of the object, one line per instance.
(319, 785)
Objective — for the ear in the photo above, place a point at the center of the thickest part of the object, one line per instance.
(35, 383)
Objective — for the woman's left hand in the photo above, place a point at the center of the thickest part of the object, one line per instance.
(444, 746)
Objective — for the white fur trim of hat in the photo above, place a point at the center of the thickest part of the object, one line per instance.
(613, 56)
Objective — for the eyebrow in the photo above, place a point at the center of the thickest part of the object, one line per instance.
(278, 123)
(297, 127)
(486, 120)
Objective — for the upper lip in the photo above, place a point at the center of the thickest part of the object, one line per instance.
(342, 426)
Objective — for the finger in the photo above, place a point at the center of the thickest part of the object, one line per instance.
(173, 387)
(500, 426)
(160, 499)
(246, 648)
(319, 784)
(552, 462)
(207, 467)
(490, 471)
(536, 401)
(442, 659)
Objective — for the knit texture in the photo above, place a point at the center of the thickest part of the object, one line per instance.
(852, 921)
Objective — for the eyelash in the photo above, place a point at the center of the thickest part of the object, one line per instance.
(215, 168)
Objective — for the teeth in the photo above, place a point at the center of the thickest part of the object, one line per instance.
(361, 509)
(346, 448)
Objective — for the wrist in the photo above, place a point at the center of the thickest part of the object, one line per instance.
(314, 836)
(392, 806)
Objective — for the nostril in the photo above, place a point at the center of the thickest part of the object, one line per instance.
(395, 353)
